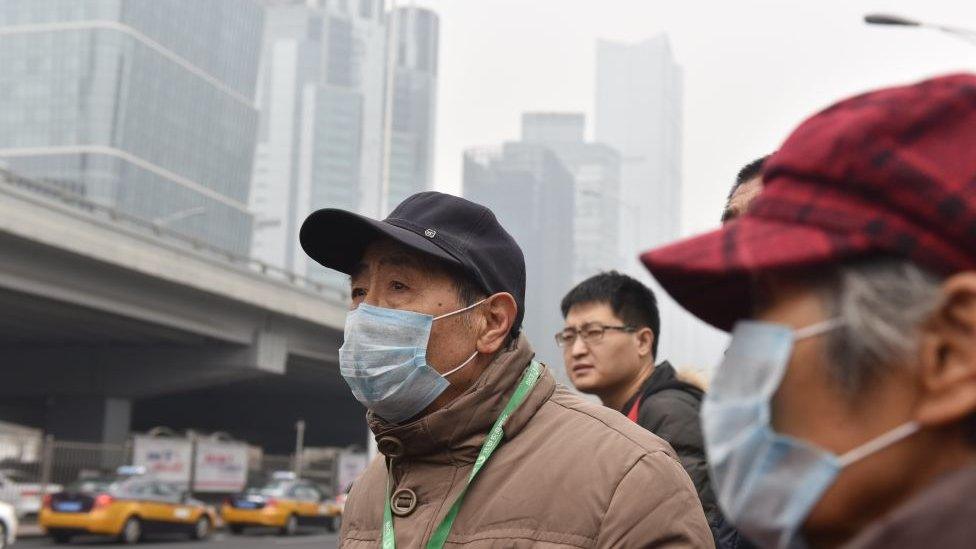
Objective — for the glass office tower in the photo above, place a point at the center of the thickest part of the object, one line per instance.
(414, 104)
(146, 106)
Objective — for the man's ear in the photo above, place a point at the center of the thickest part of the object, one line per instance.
(645, 341)
(500, 311)
(948, 355)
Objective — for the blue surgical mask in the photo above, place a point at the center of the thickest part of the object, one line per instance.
(767, 483)
(384, 360)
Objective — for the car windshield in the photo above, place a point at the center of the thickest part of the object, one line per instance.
(93, 485)
(275, 488)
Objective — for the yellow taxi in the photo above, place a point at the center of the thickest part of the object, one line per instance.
(124, 506)
(285, 503)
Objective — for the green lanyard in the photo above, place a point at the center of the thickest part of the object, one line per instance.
(494, 438)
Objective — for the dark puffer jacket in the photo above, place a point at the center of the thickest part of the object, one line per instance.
(670, 408)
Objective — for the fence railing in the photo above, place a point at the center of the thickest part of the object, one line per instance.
(25, 480)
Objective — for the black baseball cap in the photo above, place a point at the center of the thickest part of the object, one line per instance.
(452, 229)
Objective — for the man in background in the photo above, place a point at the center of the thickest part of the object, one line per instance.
(609, 344)
(748, 185)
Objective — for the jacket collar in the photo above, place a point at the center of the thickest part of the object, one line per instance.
(455, 433)
(663, 377)
(939, 513)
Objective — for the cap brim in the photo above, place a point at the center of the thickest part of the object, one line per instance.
(336, 239)
(711, 275)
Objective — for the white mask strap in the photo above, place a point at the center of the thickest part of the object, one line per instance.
(459, 311)
(463, 364)
(819, 328)
(897, 434)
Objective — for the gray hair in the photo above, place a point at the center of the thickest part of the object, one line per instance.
(883, 301)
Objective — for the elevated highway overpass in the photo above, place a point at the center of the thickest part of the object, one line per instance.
(109, 323)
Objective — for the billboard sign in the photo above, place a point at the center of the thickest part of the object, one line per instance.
(221, 466)
(165, 458)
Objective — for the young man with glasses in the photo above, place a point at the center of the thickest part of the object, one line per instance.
(609, 344)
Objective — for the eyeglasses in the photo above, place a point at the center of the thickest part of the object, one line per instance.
(591, 333)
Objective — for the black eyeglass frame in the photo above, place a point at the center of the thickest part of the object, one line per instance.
(563, 343)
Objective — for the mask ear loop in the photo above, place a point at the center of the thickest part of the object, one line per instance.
(895, 435)
(463, 364)
(459, 311)
(891, 437)
(819, 328)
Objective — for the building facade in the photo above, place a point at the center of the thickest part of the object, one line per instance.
(414, 102)
(638, 112)
(531, 192)
(327, 118)
(320, 96)
(145, 106)
(595, 168)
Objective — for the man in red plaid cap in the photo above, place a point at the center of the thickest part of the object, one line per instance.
(844, 412)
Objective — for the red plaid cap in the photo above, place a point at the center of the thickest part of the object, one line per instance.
(891, 171)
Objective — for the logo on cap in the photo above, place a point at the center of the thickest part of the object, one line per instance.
(430, 233)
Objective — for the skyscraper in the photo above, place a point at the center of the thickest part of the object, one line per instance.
(321, 99)
(639, 113)
(595, 168)
(531, 193)
(146, 106)
(325, 112)
(414, 104)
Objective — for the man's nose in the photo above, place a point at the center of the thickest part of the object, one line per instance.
(579, 348)
(372, 297)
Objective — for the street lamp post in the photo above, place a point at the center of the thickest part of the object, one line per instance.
(968, 35)
(299, 447)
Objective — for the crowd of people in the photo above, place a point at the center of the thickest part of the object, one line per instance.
(842, 415)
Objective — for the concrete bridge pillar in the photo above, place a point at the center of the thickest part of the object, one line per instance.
(89, 418)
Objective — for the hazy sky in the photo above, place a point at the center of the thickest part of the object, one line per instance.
(753, 70)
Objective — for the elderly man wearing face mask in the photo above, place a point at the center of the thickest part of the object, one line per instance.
(844, 412)
(480, 447)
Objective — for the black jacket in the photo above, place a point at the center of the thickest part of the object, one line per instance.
(670, 408)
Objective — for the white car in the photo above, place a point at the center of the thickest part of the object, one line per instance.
(23, 492)
(8, 525)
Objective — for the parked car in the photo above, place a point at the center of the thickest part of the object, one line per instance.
(8, 525)
(126, 507)
(23, 491)
(285, 503)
